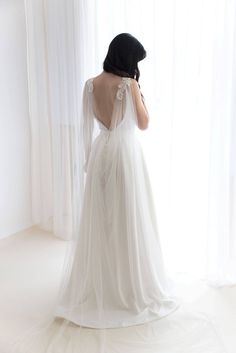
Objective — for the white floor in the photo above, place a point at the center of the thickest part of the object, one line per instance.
(30, 269)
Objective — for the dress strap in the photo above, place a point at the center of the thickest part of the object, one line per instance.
(122, 87)
(90, 85)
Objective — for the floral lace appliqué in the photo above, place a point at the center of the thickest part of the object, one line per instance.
(90, 85)
(122, 87)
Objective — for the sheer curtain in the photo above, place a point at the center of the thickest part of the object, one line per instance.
(188, 80)
(57, 68)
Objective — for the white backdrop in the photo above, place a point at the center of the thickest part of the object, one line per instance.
(15, 194)
(188, 80)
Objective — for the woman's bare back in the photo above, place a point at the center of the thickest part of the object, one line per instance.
(105, 87)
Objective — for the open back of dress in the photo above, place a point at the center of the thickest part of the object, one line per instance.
(105, 101)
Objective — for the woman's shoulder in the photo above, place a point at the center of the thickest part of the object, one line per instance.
(135, 88)
(89, 84)
(111, 80)
(134, 83)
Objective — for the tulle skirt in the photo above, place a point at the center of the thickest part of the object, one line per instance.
(118, 276)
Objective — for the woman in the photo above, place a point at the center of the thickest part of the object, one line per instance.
(115, 276)
(118, 256)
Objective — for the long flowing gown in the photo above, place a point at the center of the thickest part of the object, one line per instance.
(118, 256)
(115, 276)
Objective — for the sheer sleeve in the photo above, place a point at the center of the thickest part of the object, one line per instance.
(87, 120)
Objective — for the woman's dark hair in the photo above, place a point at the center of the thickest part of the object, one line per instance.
(123, 55)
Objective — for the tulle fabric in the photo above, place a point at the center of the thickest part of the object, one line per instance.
(115, 294)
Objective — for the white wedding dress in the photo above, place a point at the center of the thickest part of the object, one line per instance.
(118, 276)
(115, 275)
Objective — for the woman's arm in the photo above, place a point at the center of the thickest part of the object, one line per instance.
(141, 109)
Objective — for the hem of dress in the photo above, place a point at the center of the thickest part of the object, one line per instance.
(139, 321)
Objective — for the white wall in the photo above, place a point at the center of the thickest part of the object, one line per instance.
(15, 199)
